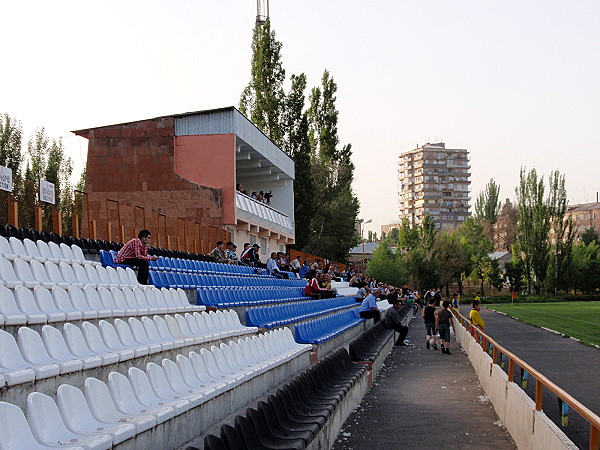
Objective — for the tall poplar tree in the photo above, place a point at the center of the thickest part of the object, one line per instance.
(263, 100)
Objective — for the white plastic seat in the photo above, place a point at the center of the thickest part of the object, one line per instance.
(13, 367)
(125, 400)
(6, 250)
(33, 351)
(54, 275)
(166, 335)
(213, 320)
(63, 303)
(159, 294)
(140, 335)
(55, 344)
(67, 254)
(93, 277)
(9, 311)
(77, 345)
(207, 359)
(93, 300)
(176, 331)
(125, 336)
(78, 300)
(112, 340)
(81, 275)
(32, 250)
(45, 303)
(15, 432)
(17, 249)
(196, 376)
(237, 367)
(144, 393)
(80, 258)
(68, 274)
(163, 389)
(153, 334)
(104, 409)
(152, 300)
(133, 281)
(78, 418)
(168, 300)
(49, 429)
(142, 302)
(104, 277)
(7, 274)
(57, 253)
(108, 302)
(131, 300)
(243, 354)
(193, 326)
(206, 326)
(114, 277)
(45, 251)
(223, 364)
(23, 271)
(187, 331)
(121, 303)
(41, 275)
(94, 341)
(180, 299)
(124, 278)
(26, 303)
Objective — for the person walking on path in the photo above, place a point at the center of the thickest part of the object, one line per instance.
(475, 317)
(443, 324)
(393, 321)
(368, 308)
(135, 253)
(429, 319)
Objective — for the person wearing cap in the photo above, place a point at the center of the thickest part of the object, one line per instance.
(368, 308)
(254, 258)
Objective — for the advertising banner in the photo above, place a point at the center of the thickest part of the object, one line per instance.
(46, 191)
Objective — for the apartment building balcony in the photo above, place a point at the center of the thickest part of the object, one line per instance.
(259, 214)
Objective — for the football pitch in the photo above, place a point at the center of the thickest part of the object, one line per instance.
(580, 320)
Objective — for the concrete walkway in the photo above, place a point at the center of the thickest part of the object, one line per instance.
(424, 400)
(569, 364)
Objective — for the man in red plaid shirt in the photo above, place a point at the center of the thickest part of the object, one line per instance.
(135, 254)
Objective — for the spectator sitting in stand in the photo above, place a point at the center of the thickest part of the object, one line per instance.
(313, 288)
(272, 267)
(296, 264)
(230, 253)
(305, 269)
(268, 197)
(368, 308)
(135, 253)
(219, 253)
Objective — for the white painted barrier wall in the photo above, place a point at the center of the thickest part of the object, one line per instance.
(530, 429)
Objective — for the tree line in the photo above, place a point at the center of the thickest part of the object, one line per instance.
(41, 158)
(325, 206)
(548, 256)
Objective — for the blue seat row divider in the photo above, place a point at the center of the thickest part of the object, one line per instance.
(195, 280)
(273, 316)
(248, 296)
(167, 264)
(325, 328)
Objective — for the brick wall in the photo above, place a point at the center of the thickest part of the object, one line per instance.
(133, 164)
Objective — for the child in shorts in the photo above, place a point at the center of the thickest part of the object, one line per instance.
(429, 318)
(443, 324)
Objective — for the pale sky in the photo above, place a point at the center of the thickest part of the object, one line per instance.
(516, 83)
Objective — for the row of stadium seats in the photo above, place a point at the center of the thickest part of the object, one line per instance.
(277, 315)
(33, 356)
(106, 414)
(41, 251)
(294, 415)
(195, 281)
(41, 305)
(324, 328)
(243, 296)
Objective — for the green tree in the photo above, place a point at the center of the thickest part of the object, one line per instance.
(333, 230)
(505, 229)
(452, 259)
(514, 273)
(385, 266)
(297, 146)
(263, 100)
(487, 205)
(584, 273)
(479, 247)
(589, 235)
(11, 154)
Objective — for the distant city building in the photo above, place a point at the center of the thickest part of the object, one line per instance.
(434, 180)
(389, 227)
(585, 215)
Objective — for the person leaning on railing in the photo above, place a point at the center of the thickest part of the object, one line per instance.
(475, 317)
(135, 253)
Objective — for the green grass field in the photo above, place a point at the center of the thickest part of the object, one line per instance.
(578, 319)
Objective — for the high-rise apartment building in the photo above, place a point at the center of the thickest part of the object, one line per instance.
(434, 180)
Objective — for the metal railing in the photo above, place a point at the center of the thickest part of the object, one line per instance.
(497, 352)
